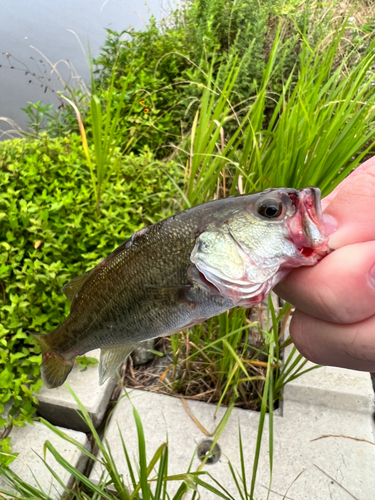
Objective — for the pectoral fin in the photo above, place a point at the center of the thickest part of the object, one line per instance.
(111, 359)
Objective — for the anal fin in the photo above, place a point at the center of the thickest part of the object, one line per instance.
(111, 358)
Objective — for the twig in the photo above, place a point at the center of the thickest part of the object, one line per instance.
(2, 286)
(261, 363)
(334, 480)
(284, 323)
(277, 493)
(194, 419)
(342, 436)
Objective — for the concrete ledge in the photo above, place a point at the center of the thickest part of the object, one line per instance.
(28, 441)
(320, 451)
(332, 387)
(58, 407)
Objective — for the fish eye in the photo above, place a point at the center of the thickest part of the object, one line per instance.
(270, 209)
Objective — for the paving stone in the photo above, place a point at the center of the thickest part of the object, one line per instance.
(28, 441)
(306, 463)
(58, 406)
(333, 387)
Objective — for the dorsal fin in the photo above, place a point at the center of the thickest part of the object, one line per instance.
(72, 287)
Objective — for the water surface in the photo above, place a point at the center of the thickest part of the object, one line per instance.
(53, 27)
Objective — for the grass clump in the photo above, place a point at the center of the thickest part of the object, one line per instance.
(318, 132)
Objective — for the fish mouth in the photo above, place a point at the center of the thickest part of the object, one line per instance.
(306, 226)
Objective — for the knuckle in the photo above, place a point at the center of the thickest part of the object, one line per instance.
(331, 307)
(363, 184)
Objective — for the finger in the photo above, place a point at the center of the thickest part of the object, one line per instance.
(349, 346)
(340, 289)
(352, 209)
(359, 170)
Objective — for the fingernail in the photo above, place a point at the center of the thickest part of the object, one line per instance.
(330, 224)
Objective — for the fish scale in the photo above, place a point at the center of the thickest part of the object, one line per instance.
(165, 278)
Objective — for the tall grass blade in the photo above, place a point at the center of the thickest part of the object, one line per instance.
(75, 472)
(128, 461)
(262, 417)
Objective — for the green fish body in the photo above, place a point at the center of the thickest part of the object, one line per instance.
(185, 269)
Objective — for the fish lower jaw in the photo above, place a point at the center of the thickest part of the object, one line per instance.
(242, 294)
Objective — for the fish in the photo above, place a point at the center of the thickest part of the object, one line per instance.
(181, 271)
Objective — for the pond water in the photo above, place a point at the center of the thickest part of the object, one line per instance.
(58, 30)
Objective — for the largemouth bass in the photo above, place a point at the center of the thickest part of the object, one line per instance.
(183, 270)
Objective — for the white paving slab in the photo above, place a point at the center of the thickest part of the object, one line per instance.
(59, 407)
(28, 441)
(307, 464)
(333, 387)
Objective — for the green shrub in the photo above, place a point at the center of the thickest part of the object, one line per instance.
(156, 102)
(49, 233)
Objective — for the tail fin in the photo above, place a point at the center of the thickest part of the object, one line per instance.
(55, 368)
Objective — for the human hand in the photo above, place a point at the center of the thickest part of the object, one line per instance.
(334, 321)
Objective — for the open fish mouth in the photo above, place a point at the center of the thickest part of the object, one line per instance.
(306, 227)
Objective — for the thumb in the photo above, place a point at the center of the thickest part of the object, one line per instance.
(350, 208)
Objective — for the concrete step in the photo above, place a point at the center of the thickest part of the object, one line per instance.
(58, 406)
(29, 441)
